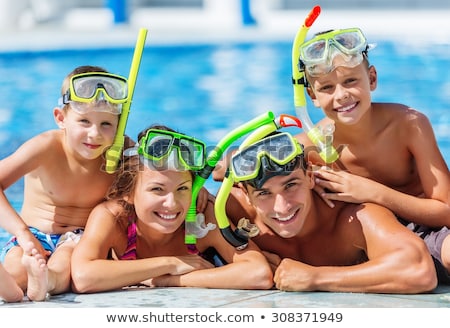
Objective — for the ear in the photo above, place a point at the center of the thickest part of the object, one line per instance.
(310, 175)
(244, 192)
(311, 94)
(373, 79)
(59, 116)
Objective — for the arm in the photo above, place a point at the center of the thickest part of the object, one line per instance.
(246, 269)
(93, 272)
(398, 260)
(23, 161)
(431, 210)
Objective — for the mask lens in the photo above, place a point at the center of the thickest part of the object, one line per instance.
(315, 51)
(350, 42)
(279, 148)
(85, 87)
(192, 152)
(157, 144)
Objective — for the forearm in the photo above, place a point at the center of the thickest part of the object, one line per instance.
(10, 220)
(104, 275)
(425, 211)
(394, 275)
(238, 275)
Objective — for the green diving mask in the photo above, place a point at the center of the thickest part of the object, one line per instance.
(161, 146)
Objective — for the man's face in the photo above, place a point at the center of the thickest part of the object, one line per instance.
(284, 201)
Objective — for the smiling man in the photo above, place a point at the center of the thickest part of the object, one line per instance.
(312, 247)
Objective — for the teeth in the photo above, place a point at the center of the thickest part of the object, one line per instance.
(286, 218)
(344, 109)
(168, 216)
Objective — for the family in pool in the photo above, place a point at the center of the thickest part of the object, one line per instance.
(372, 218)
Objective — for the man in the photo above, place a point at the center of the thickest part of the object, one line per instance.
(313, 247)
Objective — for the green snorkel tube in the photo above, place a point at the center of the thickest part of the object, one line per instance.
(323, 142)
(211, 161)
(114, 153)
(239, 238)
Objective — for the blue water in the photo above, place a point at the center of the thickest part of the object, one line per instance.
(207, 90)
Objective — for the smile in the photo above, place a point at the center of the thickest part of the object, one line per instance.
(286, 218)
(167, 216)
(346, 108)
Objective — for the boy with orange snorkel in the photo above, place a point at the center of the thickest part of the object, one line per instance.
(390, 155)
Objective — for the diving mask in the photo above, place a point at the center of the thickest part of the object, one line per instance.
(161, 149)
(275, 155)
(319, 55)
(97, 91)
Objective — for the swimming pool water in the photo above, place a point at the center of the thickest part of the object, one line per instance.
(208, 90)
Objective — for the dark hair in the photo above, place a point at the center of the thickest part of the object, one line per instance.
(269, 168)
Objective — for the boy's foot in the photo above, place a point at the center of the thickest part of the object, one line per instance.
(37, 274)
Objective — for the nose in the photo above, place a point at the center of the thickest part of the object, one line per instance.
(341, 92)
(281, 204)
(169, 200)
(94, 131)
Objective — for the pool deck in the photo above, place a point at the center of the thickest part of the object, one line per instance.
(223, 298)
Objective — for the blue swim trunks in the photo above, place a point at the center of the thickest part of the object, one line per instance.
(48, 241)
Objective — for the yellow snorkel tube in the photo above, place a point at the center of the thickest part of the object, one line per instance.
(324, 142)
(114, 153)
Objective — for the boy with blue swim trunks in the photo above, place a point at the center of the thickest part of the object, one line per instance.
(389, 156)
(64, 179)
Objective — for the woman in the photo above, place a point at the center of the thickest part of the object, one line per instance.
(143, 221)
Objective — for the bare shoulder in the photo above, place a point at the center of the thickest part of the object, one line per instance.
(371, 217)
(400, 113)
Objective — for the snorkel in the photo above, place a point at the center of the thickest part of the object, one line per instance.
(211, 161)
(324, 141)
(240, 236)
(114, 153)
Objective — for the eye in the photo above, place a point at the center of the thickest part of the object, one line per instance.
(108, 124)
(183, 188)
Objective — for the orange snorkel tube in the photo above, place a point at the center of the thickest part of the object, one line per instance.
(324, 143)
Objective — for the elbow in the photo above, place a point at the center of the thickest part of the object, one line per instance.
(81, 282)
(262, 278)
(421, 276)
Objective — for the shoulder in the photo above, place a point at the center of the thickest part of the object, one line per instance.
(400, 113)
(370, 217)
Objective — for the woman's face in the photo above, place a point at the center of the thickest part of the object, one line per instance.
(162, 198)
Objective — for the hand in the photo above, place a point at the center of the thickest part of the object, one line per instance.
(294, 276)
(28, 242)
(345, 186)
(202, 199)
